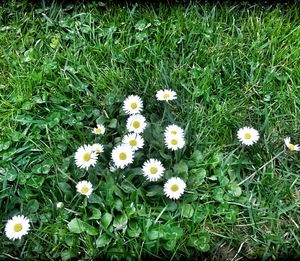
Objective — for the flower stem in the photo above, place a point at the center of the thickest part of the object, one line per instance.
(164, 113)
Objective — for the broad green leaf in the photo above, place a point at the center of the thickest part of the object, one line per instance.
(196, 158)
(170, 245)
(103, 240)
(27, 105)
(204, 247)
(55, 41)
(154, 190)
(181, 168)
(42, 168)
(165, 156)
(4, 145)
(53, 119)
(66, 255)
(70, 239)
(90, 229)
(94, 198)
(224, 181)
(120, 221)
(96, 214)
(154, 234)
(106, 220)
(35, 181)
(65, 187)
(113, 124)
(76, 226)
(118, 205)
(172, 233)
(134, 229)
(200, 242)
(32, 206)
(216, 159)
(218, 194)
(101, 120)
(196, 177)
(235, 189)
(11, 174)
(230, 216)
(172, 206)
(187, 211)
(130, 209)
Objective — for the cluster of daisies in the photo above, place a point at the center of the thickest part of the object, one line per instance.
(248, 136)
(122, 155)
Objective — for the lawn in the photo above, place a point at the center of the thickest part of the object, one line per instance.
(66, 68)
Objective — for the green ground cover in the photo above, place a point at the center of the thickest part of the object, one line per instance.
(65, 67)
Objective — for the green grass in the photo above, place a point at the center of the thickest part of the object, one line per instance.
(64, 67)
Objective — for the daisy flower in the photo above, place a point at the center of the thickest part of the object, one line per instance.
(174, 188)
(248, 136)
(100, 130)
(85, 157)
(174, 130)
(98, 148)
(153, 169)
(291, 147)
(133, 104)
(166, 95)
(59, 205)
(174, 142)
(136, 123)
(134, 140)
(17, 227)
(122, 155)
(84, 187)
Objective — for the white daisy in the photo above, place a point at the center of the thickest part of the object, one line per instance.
(100, 130)
(153, 169)
(85, 157)
(174, 130)
(59, 205)
(174, 142)
(136, 123)
(291, 147)
(133, 104)
(98, 148)
(134, 140)
(166, 95)
(122, 155)
(248, 136)
(17, 227)
(85, 188)
(174, 188)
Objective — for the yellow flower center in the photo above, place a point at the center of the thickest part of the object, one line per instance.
(133, 105)
(18, 227)
(86, 156)
(174, 132)
(153, 170)
(98, 130)
(174, 187)
(84, 190)
(174, 142)
(132, 143)
(166, 96)
(122, 156)
(136, 124)
(291, 147)
(247, 136)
